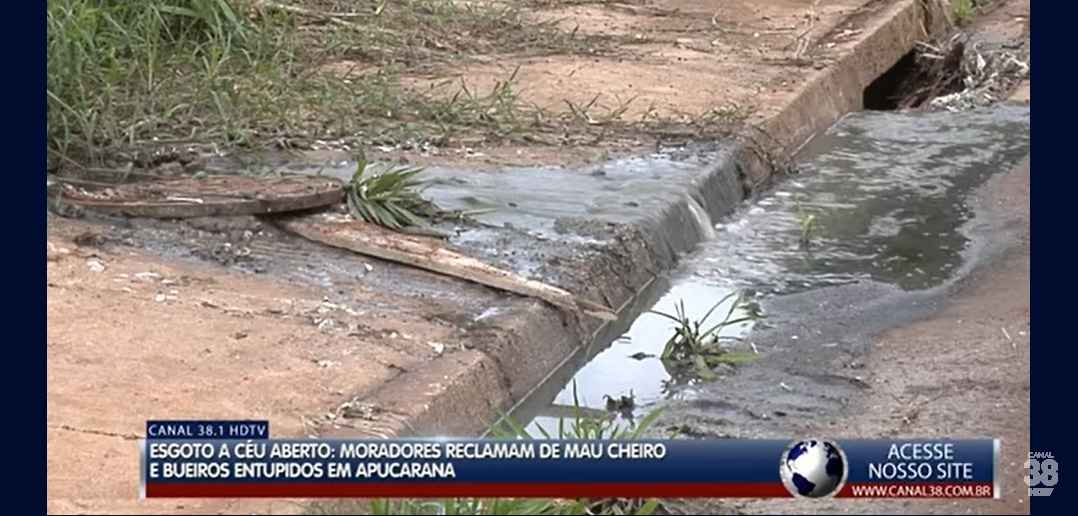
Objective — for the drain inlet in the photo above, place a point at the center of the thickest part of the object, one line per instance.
(916, 79)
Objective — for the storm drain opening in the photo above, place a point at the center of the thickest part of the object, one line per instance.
(916, 78)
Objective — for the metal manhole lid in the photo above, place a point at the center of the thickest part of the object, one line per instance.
(208, 196)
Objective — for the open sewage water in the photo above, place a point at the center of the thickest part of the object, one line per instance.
(891, 195)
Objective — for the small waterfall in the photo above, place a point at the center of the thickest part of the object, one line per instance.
(703, 220)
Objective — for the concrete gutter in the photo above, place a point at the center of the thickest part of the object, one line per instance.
(461, 393)
(890, 30)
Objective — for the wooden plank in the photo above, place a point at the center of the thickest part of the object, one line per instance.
(429, 254)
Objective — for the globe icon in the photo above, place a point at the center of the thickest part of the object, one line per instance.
(813, 468)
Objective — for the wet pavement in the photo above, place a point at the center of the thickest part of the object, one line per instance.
(532, 220)
(896, 224)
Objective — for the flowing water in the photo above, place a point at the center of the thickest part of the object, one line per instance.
(889, 196)
(880, 197)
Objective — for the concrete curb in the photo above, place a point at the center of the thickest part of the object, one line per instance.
(462, 392)
(890, 33)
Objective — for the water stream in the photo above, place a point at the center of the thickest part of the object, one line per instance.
(890, 198)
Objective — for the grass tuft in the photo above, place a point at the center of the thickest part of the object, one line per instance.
(807, 223)
(963, 10)
(695, 348)
(583, 426)
(390, 198)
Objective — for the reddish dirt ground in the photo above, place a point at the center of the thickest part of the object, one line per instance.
(682, 68)
(131, 337)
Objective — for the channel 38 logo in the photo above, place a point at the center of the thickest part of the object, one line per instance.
(1043, 471)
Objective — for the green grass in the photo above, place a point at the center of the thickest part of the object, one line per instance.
(390, 197)
(584, 426)
(963, 10)
(581, 426)
(122, 71)
(695, 347)
(807, 223)
(126, 80)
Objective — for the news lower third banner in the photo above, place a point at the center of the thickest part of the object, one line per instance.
(237, 459)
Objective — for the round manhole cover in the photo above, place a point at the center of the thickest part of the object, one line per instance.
(208, 196)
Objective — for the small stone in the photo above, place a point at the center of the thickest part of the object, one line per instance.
(54, 253)
(89, 239)
(95, 265)
(327, 325)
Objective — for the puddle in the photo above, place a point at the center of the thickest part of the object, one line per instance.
(890, 195)
(631, 366)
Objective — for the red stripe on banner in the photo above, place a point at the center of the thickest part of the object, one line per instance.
(917, 490)
(464, 489)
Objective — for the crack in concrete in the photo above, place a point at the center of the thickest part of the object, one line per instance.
(69, 428)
